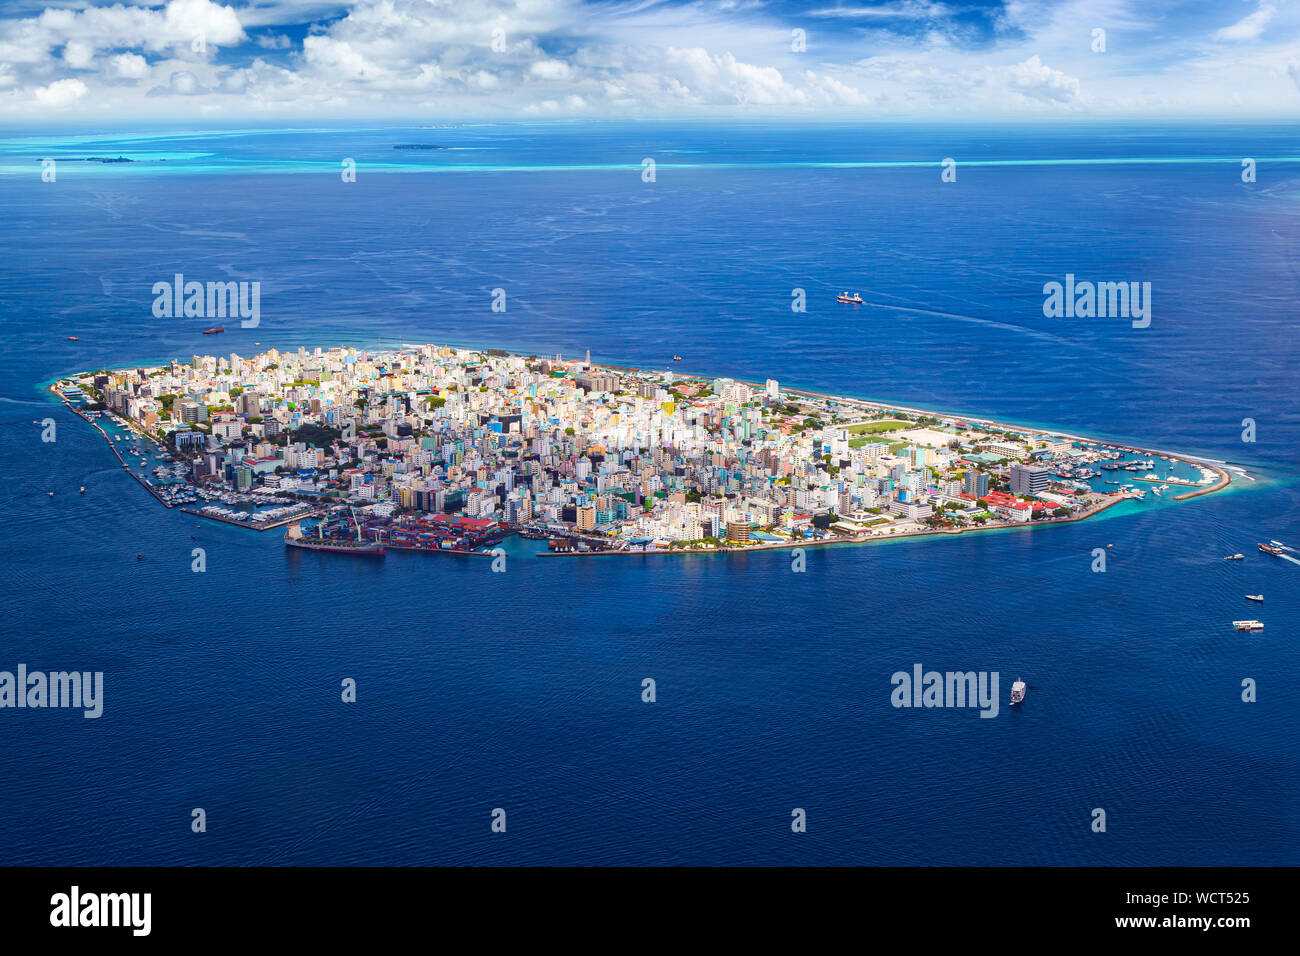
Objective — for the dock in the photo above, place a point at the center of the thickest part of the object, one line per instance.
(250, 525)
(147, 485)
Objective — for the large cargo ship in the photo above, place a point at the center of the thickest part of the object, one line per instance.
(294, 538)
(341, 545)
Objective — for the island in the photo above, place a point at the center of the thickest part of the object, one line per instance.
(434, 448)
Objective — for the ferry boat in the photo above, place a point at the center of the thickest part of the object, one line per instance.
(853, 299)
(1017, 692)
(1271, 548)
(1248, 625)
(73, 338)
(1255, 597)
(215, 330)
(1234, 557)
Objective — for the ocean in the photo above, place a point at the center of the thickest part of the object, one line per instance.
(522, 690)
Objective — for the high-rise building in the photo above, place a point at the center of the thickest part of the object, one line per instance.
(1029, 479)
(977, 483)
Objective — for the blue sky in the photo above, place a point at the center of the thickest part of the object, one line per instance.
(273, 60)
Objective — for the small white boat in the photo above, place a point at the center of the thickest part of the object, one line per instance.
(1255, 597)
(82, 489)
(1248, 625)
(1017, 692)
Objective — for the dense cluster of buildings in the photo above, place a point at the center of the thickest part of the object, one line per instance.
(646, 459)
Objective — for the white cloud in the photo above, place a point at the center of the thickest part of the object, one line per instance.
(128, 66)
(78, 55)
(550, 70)
(61, 93)
(213, 23)
(643, 58)
(1248, 27)
(185, 83)
(339, 59)
(721, 78)
(899, 10)
(1035, 79)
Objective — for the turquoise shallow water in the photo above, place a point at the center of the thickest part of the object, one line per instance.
(522, 690)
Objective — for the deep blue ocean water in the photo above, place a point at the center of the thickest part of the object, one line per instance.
(522, 690)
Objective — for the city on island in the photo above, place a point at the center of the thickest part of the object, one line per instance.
(450, 449)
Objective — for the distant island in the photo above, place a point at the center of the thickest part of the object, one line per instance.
(448, 449)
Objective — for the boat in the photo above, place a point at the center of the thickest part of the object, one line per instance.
(1234, 557)
(50, 493)
(1248, 625)
(1255, 597)
(82, 489)
(853, 299)
(73, 338)
(1270, 548)
(677, 358)
(336, 545)
(214, 331)
(1017, 692)
(294, 538)
(1110, 546)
